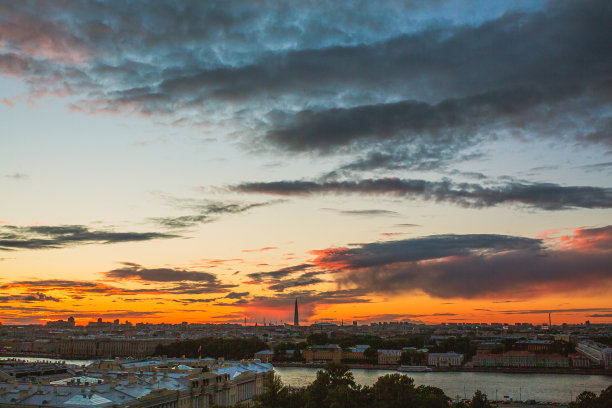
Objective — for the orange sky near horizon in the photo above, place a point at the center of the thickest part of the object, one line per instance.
(386, 161)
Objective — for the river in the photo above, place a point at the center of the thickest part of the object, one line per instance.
(540, 387)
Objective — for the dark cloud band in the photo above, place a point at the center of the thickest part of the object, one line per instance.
(45, 237)
(545, 196)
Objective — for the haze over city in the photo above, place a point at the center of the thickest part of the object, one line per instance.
(204, 162)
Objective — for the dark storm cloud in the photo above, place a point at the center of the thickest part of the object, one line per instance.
(310, 297)
(157, 280)
(184, 281)
(364, 213)
(236, 295)
(29, 297)
(306, 279)
(475, 266)
(275, 276)
(188, 301)
(134, 271)
(45, 237)
(285, 278)
(544, 196)
(205, 212)
(53, 283)
(326, 76)
(441, 125)
(546, 311)
(422, 157)
(422, 249)
(597, 167)
(516, 50)
(476, 276)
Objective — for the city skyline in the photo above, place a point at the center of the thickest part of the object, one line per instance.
(403, 161)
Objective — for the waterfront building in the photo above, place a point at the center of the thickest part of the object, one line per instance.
(599, 354)
(444, 359)
(227, 384)
(488, 360)
(521, 359)
(323, 354)
(535, 346)
(578, 360)
(264, 355)
(106, 347)
(488, 347)
(355, 354)
(389, 356)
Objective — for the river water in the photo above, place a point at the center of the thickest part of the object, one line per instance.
(540, 387)
(52, 360)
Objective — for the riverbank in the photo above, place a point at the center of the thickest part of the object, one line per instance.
(500, 370)
(558, 388)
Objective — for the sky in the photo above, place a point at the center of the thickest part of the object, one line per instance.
(424, 161)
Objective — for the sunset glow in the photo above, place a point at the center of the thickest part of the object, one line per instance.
(207, 163)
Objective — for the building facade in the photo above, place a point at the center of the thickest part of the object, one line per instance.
(444, 359)
(177, 386)
(323, 354)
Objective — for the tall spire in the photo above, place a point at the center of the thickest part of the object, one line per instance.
(296, 319)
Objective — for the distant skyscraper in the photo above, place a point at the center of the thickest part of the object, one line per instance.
(296, 318)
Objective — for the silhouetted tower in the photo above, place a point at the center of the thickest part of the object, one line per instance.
(296, 318)
(549, 320)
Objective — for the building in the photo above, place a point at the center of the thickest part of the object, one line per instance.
(489, 347)
(599, 354)
(228, 384)
(578, 360)
(107, 347)
(389, 356)
(444, 359)
(264, 355)
(323, 354)
(521, 359)
(61, 324)
(296, 318)
(355, 354)
(535, 346)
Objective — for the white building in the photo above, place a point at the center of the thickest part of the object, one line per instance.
(444, 359)
(597, 353)
(157, 383)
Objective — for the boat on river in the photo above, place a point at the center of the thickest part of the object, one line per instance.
(414, 369)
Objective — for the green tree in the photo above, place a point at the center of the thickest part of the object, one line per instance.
(394, 391)
(480, 400)
(371, 355)
(585, 399)
(431, 397)
(275, 394)
(334, 387)
(588, 399)
(235, 349)
(339, 374)
(317, 339)
(413, 357)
